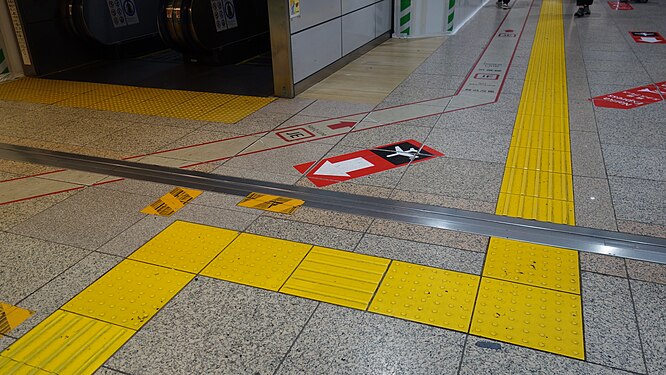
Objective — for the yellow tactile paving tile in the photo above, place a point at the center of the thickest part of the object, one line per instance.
(66, 343)
(540, 140)
(192, 105)
(272, 203)
(11, 316)
(537, 265)
(538, 160)
(338, 277)
(185, 246)
(9, 366)
(427, 295)
(257, 261)
(533, 208)
(538, 183)
(130, 294)
(171, 202)
(528, 316)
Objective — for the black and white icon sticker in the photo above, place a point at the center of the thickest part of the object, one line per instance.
(230, 13)
(401, 153)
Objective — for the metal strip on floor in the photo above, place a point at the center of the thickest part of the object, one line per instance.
(550, 234)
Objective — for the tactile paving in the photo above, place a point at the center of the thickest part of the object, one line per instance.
(9, 366)
(541, 184)
(337, 277)
(185, 246)
(257, 261)
(541, 209)
(531, 264)
(427, 295)
(528, 316)
(538, 160)
(65, 343)
(130, 294)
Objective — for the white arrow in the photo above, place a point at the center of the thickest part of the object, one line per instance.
(342, 168)
(650, 39)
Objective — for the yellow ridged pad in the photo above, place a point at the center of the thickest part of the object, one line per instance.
(130, 294)
(536, 265)
(257, 261)
(538, 160)
(337, 277)
(185, 246)
(427, 295)
(9, 366)
(67, 343)
(541, 209)
(538, 183)
(528, 316)
(192, 105)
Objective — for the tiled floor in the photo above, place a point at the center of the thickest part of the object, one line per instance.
(54, 247)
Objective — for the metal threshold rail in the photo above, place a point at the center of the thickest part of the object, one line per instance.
(558, 235)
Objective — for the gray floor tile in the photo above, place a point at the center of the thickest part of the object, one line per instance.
(345, 341)
(61, 289)
(611, 66)
(604, 264)
(444, 201)
(147, 188)
(135, 236)
(221, 200)
(652, 113)
(455, 178)
(421, 253)
(324, 217)
(290, 106)
(636, 162)
(217, 217)
(587, 159)
(5, 342)
(88, 219)
(352, 187)
(633, 78)
(280, 161)
(594, 205)
(329, 108)
(372, 138)
(645, 229)
(435, 236)
(581, 115)
(317, 235)
(434, 81)
(28, 264)
(107, 371)
(649, 300)
(16, 213)
(481, 146)
(645, 271)
(476, 120)
(639, 200)
(213, 326)
(611, 334)
(638, 134)
(483, 356)
(259, 175)
(415, 94)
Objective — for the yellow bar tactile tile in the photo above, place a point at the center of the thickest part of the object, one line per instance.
(66, 343)
(130, 294)
(185, 246)
(528, 316)
(539, 160)
(338, 277)
(541, 209)
(9, 366)
(536, 265)
(539, 184)
(541, 140)
(257, 261)
(427, 295)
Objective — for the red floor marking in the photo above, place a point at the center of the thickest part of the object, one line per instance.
(632, 98)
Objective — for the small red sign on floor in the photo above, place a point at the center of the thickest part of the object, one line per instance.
(620, 6)
(632, 98)
(366, 162)
(650, 37)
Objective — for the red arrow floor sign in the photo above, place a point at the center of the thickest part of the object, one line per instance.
(620, 6)
(366, 162)
(651, 37)
(632, 98)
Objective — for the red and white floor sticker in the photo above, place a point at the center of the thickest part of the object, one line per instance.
(481, 87)
(616, 5)
(366, 162)
(650, 37)
(632, 98)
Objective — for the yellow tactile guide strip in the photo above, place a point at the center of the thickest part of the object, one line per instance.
(138, 100)
(530, 294)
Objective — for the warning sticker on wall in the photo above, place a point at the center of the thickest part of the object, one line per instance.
(294, 8)
(230, 13)
(123, 12)
(172, 202)
(218, 15)
(18, 30)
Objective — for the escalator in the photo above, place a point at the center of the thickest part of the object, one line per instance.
(218, 46)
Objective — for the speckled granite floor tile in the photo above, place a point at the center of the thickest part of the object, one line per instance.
(5, 342)
(345, 341)
(639, 200)
(213, 326)
(444, 201)
(645, 229)
(605, 264)
(480, 146)
(649, 301)
(107, 371)
(586, 157)
(333, 219)
(635, 162)
(15, 213)
(594, 205)
(611, 334)
(646, 271)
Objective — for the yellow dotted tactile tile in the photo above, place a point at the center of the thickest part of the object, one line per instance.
(236, 109)
(65, 343)
(536, 265)
(528, 316)
(337, 277)
(185, 246)
(427, 295)
(257, 261)
(130, 294)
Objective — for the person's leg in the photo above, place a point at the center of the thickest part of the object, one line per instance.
(506, 4)
(586, 7)
(581, 4)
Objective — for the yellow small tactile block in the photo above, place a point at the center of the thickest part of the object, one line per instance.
(539, 160)
(66, 343)
(185, 246)
(540, 184)
(85, 99)
(427, 295)
(177, 97)
(257, 261)
(541, 209)
(338, 277)
(130, 294)
(143, 93)
(537, 265)
(528, 316)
